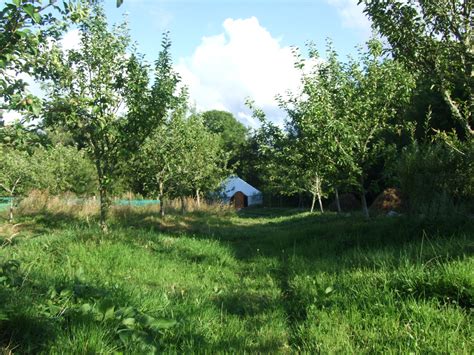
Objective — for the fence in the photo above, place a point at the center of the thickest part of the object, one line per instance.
(5, 203)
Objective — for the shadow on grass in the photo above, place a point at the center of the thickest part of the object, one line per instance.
(322, 243)
(286, 233)
(245, 303)
(34, 309)
(304, 234)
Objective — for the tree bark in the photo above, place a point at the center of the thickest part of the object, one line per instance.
(103, 196)
(198, 198)
(183, 204)
(104, 207)
(316, 191)
(11, 210)
(338, 203)
(313, 201)
(320, 202)
(162, 200)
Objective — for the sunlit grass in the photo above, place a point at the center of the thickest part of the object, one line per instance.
(265, 280)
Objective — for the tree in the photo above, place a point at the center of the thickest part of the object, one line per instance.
(434, 38)
(207, 158)
(378, 90)
(22, 137)
(338, 125)
(14, 173)
(27, 26)
(59, 169)
(314, 122)
(232, 133)
(180, 158)
(90, 89)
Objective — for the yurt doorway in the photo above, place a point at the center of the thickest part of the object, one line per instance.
(240, 200)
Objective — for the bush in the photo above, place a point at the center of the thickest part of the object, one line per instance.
(438, 178)
(63, 169)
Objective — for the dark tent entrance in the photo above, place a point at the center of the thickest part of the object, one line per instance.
(239, 200)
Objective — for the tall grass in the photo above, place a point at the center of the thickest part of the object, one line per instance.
(262, 280)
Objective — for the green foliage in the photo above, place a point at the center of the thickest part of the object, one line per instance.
(27, 26)
(21, 137)
(63, 169)
(316, 122)
(379, 90)
(270, 157)
(437, 179)
(57, 169)
(10, 275)
(435, 39)
(90, 87)
(15, 173)
(180, 158)
(233, 134)
(337, 127)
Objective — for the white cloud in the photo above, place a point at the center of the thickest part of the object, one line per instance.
(243, 61)
(352, 15)
(71, 40)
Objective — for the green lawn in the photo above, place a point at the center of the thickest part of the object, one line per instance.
(266, 280)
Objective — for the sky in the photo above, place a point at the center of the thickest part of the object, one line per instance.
(230, 50)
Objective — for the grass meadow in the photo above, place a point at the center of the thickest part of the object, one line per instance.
(261, 280)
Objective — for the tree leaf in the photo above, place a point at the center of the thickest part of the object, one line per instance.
(31, 11)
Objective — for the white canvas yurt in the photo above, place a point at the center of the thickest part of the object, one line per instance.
(239, 193)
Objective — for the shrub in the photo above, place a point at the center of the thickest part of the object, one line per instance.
(438, 178)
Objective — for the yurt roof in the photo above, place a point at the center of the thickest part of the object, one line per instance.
(234, 184)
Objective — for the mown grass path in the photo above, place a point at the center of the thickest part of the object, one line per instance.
(266, 280)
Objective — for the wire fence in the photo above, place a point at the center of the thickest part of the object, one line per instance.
(6, 201)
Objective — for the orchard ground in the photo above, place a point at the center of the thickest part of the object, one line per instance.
(261, 280)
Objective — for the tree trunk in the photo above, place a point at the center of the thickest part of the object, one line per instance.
(313, 202)
(183, 204)
(11, 210)
(198, 198)
(103, 196)
(317, 192)
(104, 207)
(365, 210)
(162, 201)
(338, 203)
(320, 202)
